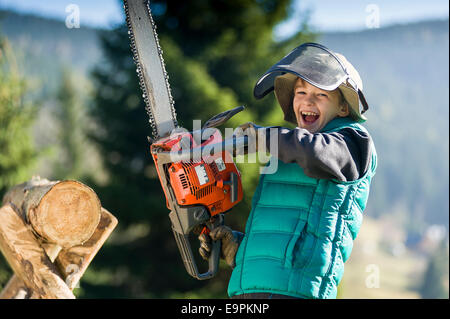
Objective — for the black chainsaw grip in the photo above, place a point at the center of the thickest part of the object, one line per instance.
(187, 256)
(214, 257)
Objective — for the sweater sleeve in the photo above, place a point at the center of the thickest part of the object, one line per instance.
(343, 155)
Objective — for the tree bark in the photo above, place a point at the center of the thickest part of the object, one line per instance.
(65, 213)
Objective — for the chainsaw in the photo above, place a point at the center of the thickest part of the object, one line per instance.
(196, 169)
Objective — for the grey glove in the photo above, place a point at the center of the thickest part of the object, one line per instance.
(230, 243)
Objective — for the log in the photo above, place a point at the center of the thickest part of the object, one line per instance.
(15, 289)
(71, 262)
(65, 213)
(28, 259)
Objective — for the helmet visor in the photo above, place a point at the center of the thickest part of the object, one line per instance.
(312, 62)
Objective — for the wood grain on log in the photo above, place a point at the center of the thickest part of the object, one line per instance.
(74, 261)
(65, 213)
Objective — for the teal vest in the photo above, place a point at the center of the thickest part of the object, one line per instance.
(300, 231)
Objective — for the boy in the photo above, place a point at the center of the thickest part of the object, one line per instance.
(305, 216)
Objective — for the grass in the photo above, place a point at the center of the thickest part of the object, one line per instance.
(374, 272)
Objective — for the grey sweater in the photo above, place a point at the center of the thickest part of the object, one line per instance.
(343, 155)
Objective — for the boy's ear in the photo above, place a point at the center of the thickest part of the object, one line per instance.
(344, 110)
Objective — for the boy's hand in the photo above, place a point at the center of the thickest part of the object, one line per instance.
(230, 243)
(251, 130)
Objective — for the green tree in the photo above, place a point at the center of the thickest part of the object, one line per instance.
(214, 52)
(17, 154)
(435, 278)
(70, 137)
(16, 116)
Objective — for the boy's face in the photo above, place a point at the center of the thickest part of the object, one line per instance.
(314, 107)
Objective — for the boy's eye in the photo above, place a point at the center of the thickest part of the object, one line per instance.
(300, 92)
(323, 95)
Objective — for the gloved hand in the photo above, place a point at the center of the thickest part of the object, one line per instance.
(230, 243)
(251, 130)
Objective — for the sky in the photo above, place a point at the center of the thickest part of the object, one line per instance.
(326, 15)
(331, 15)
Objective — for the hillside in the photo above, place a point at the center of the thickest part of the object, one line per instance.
(43, 46)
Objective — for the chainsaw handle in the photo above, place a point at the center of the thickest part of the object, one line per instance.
(182, 239)
(229, 145)
(214, 257)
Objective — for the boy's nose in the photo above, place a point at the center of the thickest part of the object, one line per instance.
(310, 99)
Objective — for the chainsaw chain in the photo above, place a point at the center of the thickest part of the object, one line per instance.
(139, 68)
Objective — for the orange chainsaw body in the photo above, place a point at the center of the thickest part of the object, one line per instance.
(202, 182)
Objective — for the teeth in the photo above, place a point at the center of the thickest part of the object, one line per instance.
(309, 113)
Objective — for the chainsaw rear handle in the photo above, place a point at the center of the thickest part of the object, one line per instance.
(183, 220)
(188, 257)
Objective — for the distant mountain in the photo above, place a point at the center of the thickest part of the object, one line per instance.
(44, 45)
(405, 73)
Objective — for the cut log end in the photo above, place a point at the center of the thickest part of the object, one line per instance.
(67, 214)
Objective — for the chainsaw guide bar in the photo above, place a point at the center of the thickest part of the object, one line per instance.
(150, 68)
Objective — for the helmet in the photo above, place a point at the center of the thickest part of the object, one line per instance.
(320, 67)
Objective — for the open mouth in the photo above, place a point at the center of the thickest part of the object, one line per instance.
(309, 117)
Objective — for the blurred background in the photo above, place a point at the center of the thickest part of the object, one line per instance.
(71, 108)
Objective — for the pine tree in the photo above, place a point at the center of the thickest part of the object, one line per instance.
(436, 274)
(16, 115)
(214, 52)
(71, 127)
(17, 154)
